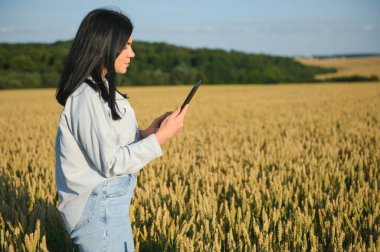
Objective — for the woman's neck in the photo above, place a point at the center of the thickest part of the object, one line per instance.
(104, 72)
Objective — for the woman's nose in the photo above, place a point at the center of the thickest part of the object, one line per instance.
(132, 54)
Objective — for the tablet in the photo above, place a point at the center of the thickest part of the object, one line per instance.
(191, 94)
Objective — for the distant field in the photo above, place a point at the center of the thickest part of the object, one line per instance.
(365, 66)
(257, 168)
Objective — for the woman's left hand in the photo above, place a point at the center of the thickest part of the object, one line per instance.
(154, 126)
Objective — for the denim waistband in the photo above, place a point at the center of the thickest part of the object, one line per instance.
(116, 185)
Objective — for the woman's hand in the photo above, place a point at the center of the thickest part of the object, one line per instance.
(154, 126)
(171, 125)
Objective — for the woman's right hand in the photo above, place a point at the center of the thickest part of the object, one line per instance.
(171, 126)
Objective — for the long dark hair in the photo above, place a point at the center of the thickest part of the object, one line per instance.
(101, 37)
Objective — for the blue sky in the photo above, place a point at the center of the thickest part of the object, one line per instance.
(278, 27)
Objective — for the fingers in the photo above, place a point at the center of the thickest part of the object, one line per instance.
(175, 113)
(162, 117)
(166, 114)
(164, 121)
(184, 110)
(178, 112)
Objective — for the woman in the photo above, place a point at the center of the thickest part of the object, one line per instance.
(99, 147)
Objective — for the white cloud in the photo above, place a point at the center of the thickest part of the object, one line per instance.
(5, 30)
(368, 27)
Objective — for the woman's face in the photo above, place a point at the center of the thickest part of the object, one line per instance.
(122, 61)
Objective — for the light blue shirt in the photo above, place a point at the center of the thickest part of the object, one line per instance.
(91, 148)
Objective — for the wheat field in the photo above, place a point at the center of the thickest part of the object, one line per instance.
(256, 168)
(364, 66)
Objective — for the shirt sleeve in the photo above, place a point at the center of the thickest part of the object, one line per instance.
(92, 129)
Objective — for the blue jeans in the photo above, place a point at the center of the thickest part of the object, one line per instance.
(104, 224)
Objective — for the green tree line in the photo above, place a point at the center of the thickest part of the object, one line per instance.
(33, 65)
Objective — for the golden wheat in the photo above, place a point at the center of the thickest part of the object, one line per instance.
(364, 66)
(257, 168)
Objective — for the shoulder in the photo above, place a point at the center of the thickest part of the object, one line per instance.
(85, 109)
(84, 102)
(84, 90)
(84, 95)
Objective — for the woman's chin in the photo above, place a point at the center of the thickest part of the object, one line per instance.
(122, 71)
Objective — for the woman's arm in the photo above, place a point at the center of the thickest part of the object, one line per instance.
(91, 128)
